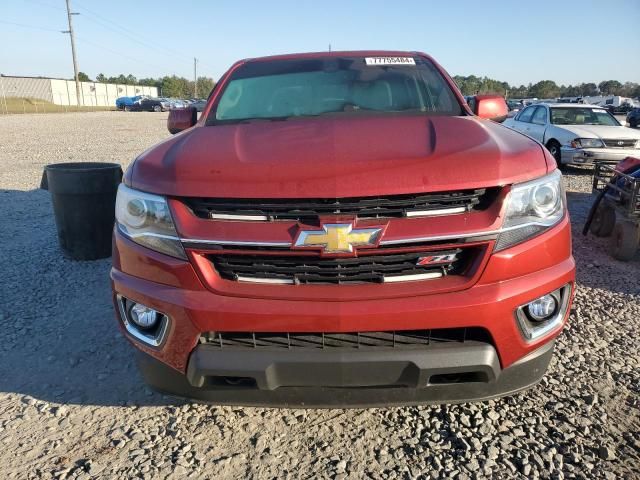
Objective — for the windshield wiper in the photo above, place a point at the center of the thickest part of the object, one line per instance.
(233, 121)
(258, 119)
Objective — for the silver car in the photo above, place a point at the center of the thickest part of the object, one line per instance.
(577, 134)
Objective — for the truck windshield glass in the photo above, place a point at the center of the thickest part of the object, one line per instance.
(284, 89)
(582, 116)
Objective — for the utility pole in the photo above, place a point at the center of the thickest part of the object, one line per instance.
(73, 51)
(195, 77)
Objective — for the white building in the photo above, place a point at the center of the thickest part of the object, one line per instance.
(63, 92)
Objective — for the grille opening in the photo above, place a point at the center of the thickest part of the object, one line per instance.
(231, 382)
(297, 269)
(462, 377)
(305, 209)
(619, 142)
(401, 339)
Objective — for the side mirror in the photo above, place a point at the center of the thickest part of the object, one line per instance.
(181, 118)
(493, 107)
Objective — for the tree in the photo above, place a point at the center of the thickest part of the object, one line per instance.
(571, 91)
(589, 89)
(545, 89)
(519, 92)
(101, 78)
(83, 77)
(628, 88)
(610, 87)
(178, 87)
(472, 85)
(150, 82)
(205, 85)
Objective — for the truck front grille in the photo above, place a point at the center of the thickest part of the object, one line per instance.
(305, 209)
(324, 340)
(619, 143)
(296, 269)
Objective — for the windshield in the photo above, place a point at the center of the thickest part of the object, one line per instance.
(333, 85)
(582, 116)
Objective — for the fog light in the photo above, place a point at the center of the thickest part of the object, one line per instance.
(545, 314)
(143, 316)
(542, 308)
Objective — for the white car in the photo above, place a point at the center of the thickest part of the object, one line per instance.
(577, 134)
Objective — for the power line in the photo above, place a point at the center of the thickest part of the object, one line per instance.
(85, 41)
(48, 5)
(134, 36)
(119, 54)
(33, 27)
(130, 33)
(130, 38)
(113, 27)
(116, 27)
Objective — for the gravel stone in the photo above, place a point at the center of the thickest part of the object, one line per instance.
(606, 453)
(72, 404)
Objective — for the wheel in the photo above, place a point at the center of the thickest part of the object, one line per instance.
(127, 108)
(624, 241)
(554, 149)
(157, 108)
(603, 221)
(633, 123)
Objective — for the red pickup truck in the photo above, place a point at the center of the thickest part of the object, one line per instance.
(342, 229)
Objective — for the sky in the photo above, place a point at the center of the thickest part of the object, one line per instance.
(568, 41)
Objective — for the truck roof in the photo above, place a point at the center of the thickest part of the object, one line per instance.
(345, 53)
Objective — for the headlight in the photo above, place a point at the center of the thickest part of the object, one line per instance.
(587, 143)
(146, 219)
(532, 208)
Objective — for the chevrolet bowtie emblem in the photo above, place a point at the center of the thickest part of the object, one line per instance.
(338, 238)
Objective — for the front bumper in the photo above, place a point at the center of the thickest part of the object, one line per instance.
(355, 379)
(587, 156)
(181, 366)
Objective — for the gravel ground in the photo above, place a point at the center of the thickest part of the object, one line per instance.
(72, 404)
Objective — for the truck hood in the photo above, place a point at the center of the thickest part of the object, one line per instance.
(600, 131)
(333, 157)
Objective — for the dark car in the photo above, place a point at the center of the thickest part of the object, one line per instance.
(150, 105)
(125, 103)
(633, 118)
(626, 107)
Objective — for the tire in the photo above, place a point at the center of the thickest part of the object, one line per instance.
(633, 123)
(603, 221)
(554, 148)
(127, 108)
(157, 108)
(624, 241)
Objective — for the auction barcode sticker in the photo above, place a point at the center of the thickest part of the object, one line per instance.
(389, 61)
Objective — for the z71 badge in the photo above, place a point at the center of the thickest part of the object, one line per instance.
(438, 259)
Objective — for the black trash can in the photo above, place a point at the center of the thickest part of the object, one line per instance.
(84, 199)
